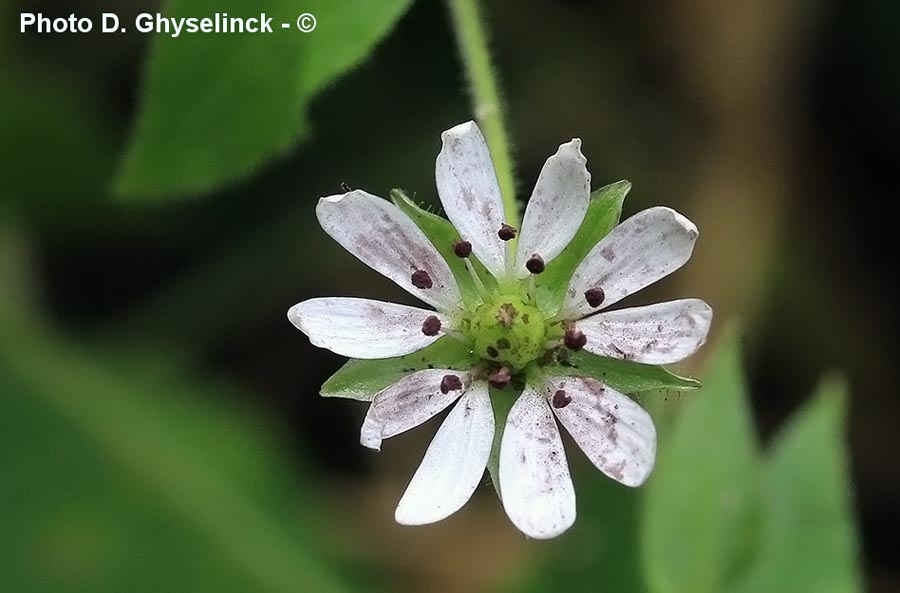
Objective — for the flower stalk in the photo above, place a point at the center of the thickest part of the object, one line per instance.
(471, 37)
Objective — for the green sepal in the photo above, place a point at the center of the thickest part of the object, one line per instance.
(502, 401)
(625, 376)
(602, 216)
(362, 379)
(443, 235)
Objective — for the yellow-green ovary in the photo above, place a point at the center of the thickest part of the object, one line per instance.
(508, 331)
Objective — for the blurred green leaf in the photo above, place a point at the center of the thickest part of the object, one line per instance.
(719, 519)
(110, 472)
(603, 214)
(700, 503)
(443, 235)
(808, 538)
(53, 124)
(217, 107)
(625, 376)
(600, 553)
(362, 379)
(121, 476)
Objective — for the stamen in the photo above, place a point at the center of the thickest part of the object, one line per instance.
(457, 335)
(450, 383)
(500, 378)
(479, 285)
(462, 248)
(535, 264)
(431, 326)
(421, 279)
(510, 258)
(594, 296)
(561, 399)
(345, 188)
(506, 232)
(574, 339)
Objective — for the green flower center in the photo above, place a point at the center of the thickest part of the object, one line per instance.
(508, 331)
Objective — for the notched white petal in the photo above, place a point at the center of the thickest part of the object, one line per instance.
(615, 433)
(468, 188)
(363, 328)
(454, 463)
(537, 489)
(557, 206)
(384, 238)
(408, 403)
(663, 333)
(643, 249)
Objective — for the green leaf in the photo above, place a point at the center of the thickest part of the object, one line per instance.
(809, 541)
(700, 504)
(362, 379)
(602, 216)
(443, 235)
(121, 477)
(217, 107)
(622, 375)
(53, 124)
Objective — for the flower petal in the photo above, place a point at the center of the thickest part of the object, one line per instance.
(656, 334)
(535, 484)
(645, 248)
(363, 328)
(615, 433)
(470, 194)
(381, 236)
(406, 404)
(454, 463)
(557, 206)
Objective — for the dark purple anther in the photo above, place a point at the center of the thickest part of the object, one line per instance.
(561, 399)
(450, 383)
(535, 264)
(574, 339)
(594, 296)
(500, 378)
(421, 279)
(431, 326)
(462, 248)
(506, 232)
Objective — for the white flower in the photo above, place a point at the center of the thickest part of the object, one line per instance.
(509, 333)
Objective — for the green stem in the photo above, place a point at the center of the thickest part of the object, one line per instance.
(471, 37)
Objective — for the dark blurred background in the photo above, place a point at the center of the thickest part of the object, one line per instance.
(773, 125)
